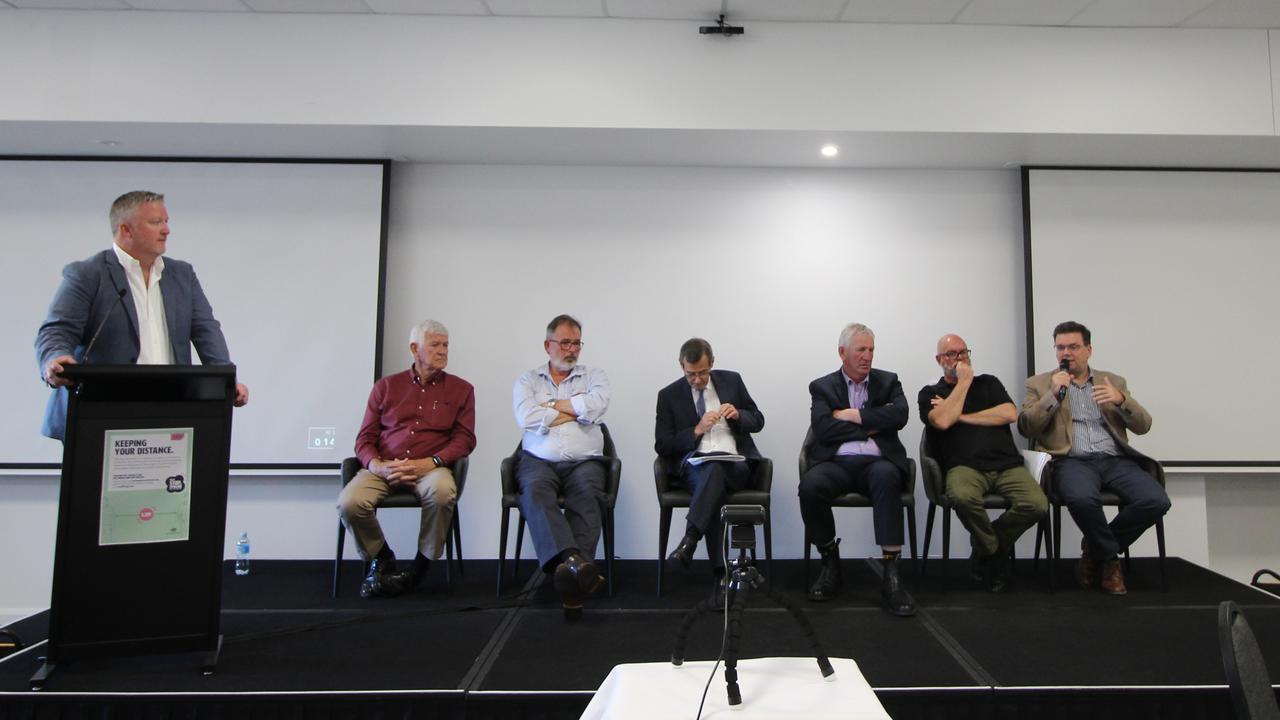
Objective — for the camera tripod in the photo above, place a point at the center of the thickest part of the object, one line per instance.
(742, 579)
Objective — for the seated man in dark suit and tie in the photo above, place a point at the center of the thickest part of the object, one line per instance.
(856, 413)
(706, 413)
(143, 308)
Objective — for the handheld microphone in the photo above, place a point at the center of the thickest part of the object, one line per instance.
(119, 299)
(1063, 366)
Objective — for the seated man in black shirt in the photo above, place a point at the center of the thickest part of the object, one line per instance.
(967, 419)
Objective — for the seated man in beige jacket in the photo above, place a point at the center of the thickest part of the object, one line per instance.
(1081, 416)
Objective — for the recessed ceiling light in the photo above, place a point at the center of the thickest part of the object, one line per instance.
(830, 150)
(109, 143)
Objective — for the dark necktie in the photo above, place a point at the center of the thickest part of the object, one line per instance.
(701, 405)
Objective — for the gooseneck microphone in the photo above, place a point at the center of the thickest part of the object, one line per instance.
(88, 348)
(1063, 366)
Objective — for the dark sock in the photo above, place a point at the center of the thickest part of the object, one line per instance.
(385, 555)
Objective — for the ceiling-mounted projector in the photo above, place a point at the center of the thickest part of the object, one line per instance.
(720, 28)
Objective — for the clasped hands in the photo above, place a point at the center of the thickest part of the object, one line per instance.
(399, 473)
(725, 412)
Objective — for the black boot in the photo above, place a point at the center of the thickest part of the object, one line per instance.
(830, 577)
(897, 601)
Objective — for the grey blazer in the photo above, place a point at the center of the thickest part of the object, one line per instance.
(90, 289)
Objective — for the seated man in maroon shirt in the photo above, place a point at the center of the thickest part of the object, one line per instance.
(417, 423)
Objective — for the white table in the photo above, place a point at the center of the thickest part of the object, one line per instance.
(771, 688)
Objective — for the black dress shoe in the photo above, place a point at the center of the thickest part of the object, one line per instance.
(1000, 569)
(897, 601)
(978, 566)
(382, 580)
(575, 579)
(684, 550)
(411, 577)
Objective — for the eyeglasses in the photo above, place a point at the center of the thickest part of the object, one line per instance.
(697, 374)
(1073, 347)
(957, 354)
(568, 344)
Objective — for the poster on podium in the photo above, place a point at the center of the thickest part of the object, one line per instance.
(146, 481)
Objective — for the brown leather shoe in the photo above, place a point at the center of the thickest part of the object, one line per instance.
(1113, 578)
(1086, 569)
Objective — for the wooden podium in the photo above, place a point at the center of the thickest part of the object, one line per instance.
(144, 580)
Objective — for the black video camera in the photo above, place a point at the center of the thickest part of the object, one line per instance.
(742, 521)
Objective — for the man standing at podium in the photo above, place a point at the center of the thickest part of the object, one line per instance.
(127, 305)
(416, 425)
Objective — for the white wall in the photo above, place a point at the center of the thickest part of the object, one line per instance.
(260, 68)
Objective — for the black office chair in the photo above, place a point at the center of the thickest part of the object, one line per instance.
(352, 465)
(859, 500)
(510, 499)
(1251, 692)
(1050, 485)
(674, 493)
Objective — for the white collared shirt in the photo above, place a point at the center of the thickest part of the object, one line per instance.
(719, 438)
(154, 347)
(587, 388)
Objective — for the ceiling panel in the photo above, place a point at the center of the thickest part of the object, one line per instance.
(190, 5)
(547, 8)
(428, 7)
(903, 11)
(1020, 12)
(1238, 14)
(308, 6)
(70, 4)
(790, 11)
(666, 9)
(1138, 13)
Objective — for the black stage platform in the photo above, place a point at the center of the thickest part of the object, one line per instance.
(292, 652)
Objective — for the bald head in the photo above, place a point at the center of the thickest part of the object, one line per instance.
(952, 350)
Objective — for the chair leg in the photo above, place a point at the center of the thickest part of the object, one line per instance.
(448, 555)
(946, 545)
(457, 538)
(1035, 559)
(502, 546)
(806, 562)
(928, 538)
(1056, 532)
(608, 551)
(1164, 583)
(910, 510)
(337, 559)
(515, 572)
(664, 529)
(768, 540)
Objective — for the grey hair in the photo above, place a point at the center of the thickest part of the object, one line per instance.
(559, 320)
(124, 205)
(425, 328)
(854, 329)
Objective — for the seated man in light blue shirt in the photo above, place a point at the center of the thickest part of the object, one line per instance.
(559, 405)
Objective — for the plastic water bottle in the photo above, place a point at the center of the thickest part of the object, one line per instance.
(242, 554)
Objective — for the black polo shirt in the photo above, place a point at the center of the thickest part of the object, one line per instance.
(985, 448)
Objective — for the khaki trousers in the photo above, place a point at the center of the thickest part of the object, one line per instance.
(358, 504)
(966, 486)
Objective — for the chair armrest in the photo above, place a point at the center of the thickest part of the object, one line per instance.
(350, 466)
(459, 469)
